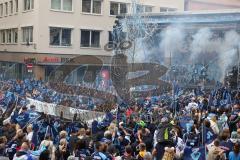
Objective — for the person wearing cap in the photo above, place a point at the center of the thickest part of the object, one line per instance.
(144, 135)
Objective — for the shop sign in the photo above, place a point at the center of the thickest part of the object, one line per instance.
(64, 60)
(51, 60)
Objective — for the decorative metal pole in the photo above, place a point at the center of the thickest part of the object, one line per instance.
(238, 75)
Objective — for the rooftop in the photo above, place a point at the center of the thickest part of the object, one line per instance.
(211, 16)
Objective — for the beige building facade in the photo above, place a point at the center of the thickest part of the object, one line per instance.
(195, 5)
(47, 32)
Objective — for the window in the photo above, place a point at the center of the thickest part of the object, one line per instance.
(65, 5)
(143, 8)
(90, 38)
(28, 5)
(66, 37)
(55, 36)
(60, 36)
(110, 39)
(162, 9)
(56, 4)
(113, 8)
(123, 8)
(85, 38)
(92, 6)
(148, 9)
(1, 9)
(110, 36)
(27, 34)
(86, 6)
(166, 9)
(9, 36)
(2, 34)
(6, 8)
(11, 6)
(118, 8)
(16, 5)
(15, 35)
(95, 39)
(96, 6)
(172, 9)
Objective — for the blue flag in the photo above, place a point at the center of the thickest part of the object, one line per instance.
(22, 119)
(208, 135)
(194, 153)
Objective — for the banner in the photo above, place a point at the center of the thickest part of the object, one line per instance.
(194, 153)
(67, 112)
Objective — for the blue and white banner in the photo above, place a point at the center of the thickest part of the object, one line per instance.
(66, 112)
(194, 153)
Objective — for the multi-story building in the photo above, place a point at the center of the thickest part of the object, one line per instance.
(46, 33)
(194, 5)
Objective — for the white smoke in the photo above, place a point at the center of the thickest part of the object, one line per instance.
(176, 42)
(205, 47)
(228, 51)
(172, 41)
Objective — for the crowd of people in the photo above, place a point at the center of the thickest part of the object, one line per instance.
(191, 126)
(82, 97)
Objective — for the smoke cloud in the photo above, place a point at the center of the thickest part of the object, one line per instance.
(202, 47)
(183, 46)
(172, 42)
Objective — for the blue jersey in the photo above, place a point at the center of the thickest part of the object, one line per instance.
(99, 156)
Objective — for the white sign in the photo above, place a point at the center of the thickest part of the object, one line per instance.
(67, 112)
